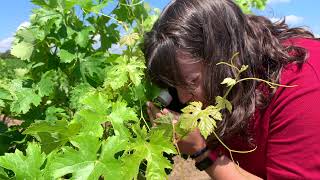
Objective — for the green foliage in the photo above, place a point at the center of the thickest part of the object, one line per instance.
(22, 50)
(247, 5)
(25, 166)
(8, 67)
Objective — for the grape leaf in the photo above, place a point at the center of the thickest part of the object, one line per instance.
(152, 151)
(229, 82)
(25, 166)
(135, 69)
(53, 113)
(84, 162)
(52, 134)
(98, 7)
(3, 174)
(22, 50)
(24, 99)
(47, 84)
(66, 57)
(247, 5)
(156, 162)
(2, 103)
(243, 68)
(222, 103)
(117, 76)
(111, 166)
(119, 115)
(93, 67)
(193, 116)
(78, 93)
(129, 39)
(21, 72)
(26, 34)
(79, 161)
(42, 3)
(82, 38)
(5, 94)
(94, 113)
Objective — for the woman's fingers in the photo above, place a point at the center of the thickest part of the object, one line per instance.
(150, 114)
(175, 114)
(153, 112)
(158, 115)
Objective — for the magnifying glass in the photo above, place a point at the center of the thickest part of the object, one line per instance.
(164, 97)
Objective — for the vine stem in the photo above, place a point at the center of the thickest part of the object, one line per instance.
(142, 117)
(131, 5)
(267, 82)
(102, 14)
(231, 65)
(228, 91)
(233, 57)
(231, 150)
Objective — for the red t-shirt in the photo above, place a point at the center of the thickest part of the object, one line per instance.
(287, 132)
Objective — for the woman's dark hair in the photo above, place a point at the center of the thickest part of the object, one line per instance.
(212, 31)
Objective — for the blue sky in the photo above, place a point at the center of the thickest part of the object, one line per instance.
(14, 13)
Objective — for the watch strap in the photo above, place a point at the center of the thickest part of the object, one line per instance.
(209, 160)
(199, 153)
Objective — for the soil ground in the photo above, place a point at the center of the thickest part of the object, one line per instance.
(185, 170)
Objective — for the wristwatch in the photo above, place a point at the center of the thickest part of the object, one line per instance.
(209, 160)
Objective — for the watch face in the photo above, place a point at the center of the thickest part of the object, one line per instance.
(204, 164)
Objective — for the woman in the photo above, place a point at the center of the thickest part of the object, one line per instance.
(182, 50)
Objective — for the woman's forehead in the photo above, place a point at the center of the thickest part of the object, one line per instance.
(190, 70)
(188, 65)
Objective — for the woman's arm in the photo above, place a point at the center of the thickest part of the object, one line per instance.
(223, 168)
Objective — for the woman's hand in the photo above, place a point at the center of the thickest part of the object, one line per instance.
(188, 145)
(154, 113)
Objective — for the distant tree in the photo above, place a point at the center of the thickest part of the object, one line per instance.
(6, 55)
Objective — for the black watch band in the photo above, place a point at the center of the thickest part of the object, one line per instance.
(199, 153)
(204, 164)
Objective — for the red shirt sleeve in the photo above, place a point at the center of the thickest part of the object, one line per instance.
(293, 145)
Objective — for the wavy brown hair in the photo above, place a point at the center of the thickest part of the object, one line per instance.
(212, 31)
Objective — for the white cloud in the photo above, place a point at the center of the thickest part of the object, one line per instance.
(5, 44)
(293, 20)
(117, 49)
(278, 1)
(317, 35)
(24, 24)
(274, 19)
(97, 43)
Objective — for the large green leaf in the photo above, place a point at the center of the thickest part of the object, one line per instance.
(151, 149)
(47, 83)
(22, 50)
(24, 100)
(66, 57)
(193, 116)
(52, 134)
(25, 166)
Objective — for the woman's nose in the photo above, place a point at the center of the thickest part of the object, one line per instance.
(184, 95)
